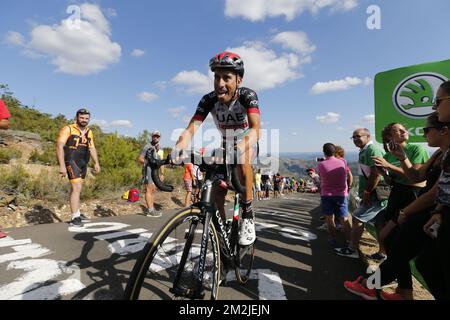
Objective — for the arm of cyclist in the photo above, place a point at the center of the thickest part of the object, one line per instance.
(186, 136)
(253, 134)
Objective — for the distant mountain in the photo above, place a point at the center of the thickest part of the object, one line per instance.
(296, 164)
(311, 156)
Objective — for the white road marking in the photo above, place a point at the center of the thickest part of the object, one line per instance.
(119, 234)
(95, 227)
(25, 251)
(38, 271)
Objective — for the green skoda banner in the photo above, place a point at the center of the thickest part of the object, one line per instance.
(406, 95)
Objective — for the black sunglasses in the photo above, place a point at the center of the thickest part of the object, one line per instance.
(427, 129)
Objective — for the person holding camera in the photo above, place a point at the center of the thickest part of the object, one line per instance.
(408, 238)
(334, 192)
(404, 190)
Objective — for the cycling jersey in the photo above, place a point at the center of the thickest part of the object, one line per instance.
(77, 143)
(76, 150)
(233, 117)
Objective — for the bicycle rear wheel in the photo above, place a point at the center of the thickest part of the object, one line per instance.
(154, 273)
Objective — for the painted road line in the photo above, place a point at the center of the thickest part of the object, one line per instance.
(120, 234)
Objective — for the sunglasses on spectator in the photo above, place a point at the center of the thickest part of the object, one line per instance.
(437, 101)
(358, 136)
(427, 129)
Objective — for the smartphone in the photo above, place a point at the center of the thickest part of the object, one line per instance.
(391, 145)
(433, 229)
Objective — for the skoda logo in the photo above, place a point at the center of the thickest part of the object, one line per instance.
(413, 97)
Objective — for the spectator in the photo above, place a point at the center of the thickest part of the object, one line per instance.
(197, 182)
(435, 267)
(276, 185)
(314, 177)
(370, 206)
(74, 147)
(258, 185)
(334, 192)
(151, 149)
(408, 238)
(4, 125)
(4, 116)
(188, 177)
(404, 191)
(340, 154)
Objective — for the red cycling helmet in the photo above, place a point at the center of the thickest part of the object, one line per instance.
(227, 60)
(311, 170)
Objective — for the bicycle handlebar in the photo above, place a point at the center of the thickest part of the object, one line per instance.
(156, 164)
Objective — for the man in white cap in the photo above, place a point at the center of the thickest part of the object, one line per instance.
(147, 180)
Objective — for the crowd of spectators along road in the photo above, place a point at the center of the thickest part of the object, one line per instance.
(405, 195)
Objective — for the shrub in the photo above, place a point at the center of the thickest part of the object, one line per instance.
(7, 154)
(46, 157)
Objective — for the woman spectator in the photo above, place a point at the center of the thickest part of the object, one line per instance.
(404, 191)
(340, 154)
(407, 239)
(434, 262)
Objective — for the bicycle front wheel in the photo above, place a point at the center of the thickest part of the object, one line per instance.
(245, 256)
(162, 263)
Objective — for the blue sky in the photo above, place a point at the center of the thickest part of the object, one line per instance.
(144, 64)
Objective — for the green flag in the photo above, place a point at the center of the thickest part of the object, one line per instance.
(406, 95)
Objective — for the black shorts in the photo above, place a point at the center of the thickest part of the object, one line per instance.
(76, 169)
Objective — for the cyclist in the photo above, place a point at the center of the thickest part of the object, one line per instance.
(235, 111)
(74, 147)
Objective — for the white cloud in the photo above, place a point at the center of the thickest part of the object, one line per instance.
(264, 69)
(194, 81)
(147, 96)
(370, 118)
(14, 38)
(121, 123)
(77, 47)
(111, 12)
(330, 117)
(137, 53)
(101, 123)
(105, 125)
(258, 10)
(295, 41)
(162, 85)
(339, 85)
(176, 112)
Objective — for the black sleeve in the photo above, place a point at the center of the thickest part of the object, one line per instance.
(249, 99)
(205, 106)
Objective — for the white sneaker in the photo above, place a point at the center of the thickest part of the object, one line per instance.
(247, 234)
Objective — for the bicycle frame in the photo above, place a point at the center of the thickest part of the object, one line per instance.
(227, 240)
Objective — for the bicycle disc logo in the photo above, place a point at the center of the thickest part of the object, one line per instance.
(414, 95)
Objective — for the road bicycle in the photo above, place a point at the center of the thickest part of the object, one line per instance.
(193, 251)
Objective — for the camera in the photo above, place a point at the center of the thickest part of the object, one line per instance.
(319, 159)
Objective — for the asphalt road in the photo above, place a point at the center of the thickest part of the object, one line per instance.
(294, 260)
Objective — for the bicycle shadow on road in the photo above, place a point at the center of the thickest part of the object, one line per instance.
(105, 278)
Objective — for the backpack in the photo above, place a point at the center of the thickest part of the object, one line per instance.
(133, 195)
